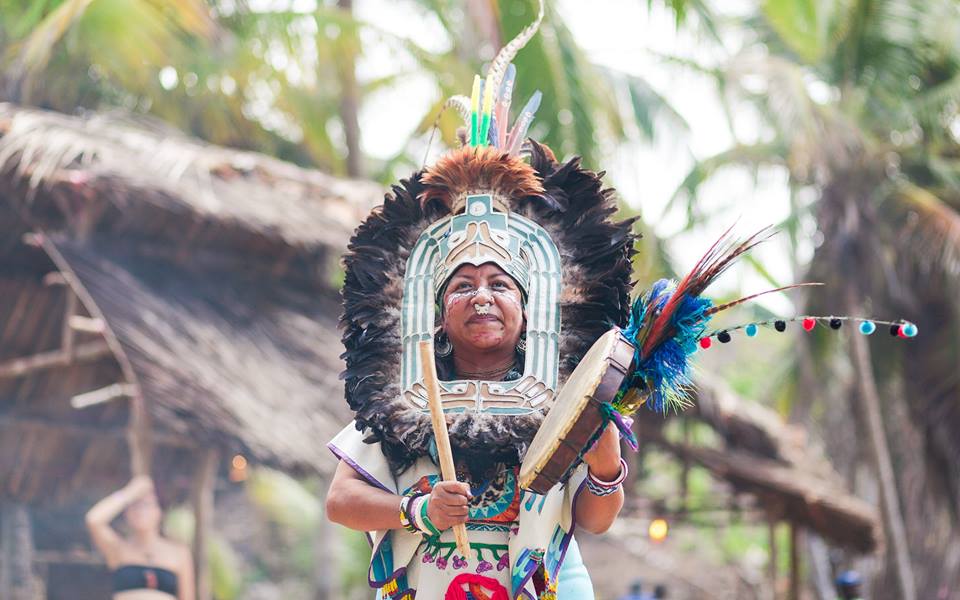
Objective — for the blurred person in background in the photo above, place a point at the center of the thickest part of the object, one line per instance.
(144, 565)
(636, 591)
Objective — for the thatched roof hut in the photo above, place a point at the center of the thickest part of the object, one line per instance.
(181, 294)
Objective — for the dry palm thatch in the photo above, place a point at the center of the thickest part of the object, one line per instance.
(214, 270)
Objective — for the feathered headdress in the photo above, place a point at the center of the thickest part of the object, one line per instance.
(549, 224)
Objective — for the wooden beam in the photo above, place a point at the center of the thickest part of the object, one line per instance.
(807, 498)
(138, 441)
(773, 565)
(164, 438)
(85, 324)
(34, 240)
(54, 278)
(794, 562)
(16, 553)
(202, 498)
(88, 352)
(69, 311)
(102, 395)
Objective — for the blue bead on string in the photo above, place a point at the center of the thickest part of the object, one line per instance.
(867, 327)
(751, 330)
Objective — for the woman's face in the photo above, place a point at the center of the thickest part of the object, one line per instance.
(144, 514)
(482, 309)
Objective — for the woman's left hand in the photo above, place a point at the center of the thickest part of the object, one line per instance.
(603, 459)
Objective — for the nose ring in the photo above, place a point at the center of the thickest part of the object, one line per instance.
(482, 309)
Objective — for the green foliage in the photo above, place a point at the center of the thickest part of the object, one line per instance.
(355, 558)
(269, 79)
(226, 567)
(283, 499)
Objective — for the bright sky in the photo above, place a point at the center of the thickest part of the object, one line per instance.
(623, 35)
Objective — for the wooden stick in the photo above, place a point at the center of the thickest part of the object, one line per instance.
(104, 394)
(447, 469)
(66, 335)
(202, 497)
(164, 438)
(18, 367)
(85, 324)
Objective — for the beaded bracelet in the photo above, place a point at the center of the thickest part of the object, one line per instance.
(405, 520)
(415, 507)
(428, 525)
(599, 487)
(406, 516)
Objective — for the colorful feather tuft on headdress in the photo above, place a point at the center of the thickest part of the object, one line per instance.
(489, 102)
(669, 322)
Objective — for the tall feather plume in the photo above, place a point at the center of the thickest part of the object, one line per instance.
(461, 104)
(502, 111)
(498, 67)
(717, 259)
(519, 131)
(475, 112)
(667, 322)
(714, 310)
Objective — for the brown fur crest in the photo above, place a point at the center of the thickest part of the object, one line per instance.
(486, 169)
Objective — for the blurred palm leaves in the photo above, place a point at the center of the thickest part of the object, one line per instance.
(270, 77)
(856, 94)
(585, 109)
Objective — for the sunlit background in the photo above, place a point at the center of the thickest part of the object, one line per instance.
(141, 135)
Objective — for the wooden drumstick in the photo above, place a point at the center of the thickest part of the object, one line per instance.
(447, 470)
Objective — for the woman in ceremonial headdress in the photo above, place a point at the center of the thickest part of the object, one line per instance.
(511, 263)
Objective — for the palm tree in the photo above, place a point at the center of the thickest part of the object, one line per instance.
(275, 79)
(860, 102)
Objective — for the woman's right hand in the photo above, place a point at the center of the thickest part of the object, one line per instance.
(447, 505)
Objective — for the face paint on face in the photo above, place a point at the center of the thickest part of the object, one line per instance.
(482, 310)
(508, 295)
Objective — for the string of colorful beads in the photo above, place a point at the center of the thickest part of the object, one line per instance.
(901, 329)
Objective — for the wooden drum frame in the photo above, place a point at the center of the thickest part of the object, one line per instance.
(576, 416)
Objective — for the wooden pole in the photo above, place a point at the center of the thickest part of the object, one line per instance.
(66, 334)
(447, 469)
(794, 562)
(67, 427)
(204, 480)
(16, 553)
(88, 352)
(102, 395)
(774, 559)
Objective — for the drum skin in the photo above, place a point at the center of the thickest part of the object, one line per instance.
(575, 416)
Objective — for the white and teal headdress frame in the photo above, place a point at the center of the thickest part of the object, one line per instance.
(390, 280)
(481, 234)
